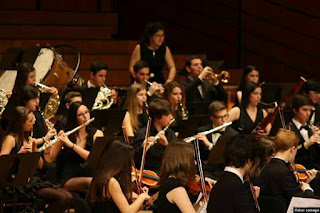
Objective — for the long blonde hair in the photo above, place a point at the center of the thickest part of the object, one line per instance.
(132, 104)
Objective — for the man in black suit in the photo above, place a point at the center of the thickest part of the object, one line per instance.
(277, 180)
(311, 89)
(197, 88)
(160, 113)
(218, 116)
(231, 193)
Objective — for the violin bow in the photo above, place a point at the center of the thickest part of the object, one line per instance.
(126, 138)
(143, 159)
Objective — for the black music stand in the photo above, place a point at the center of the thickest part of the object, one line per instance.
(98, 148)
(14, 56)
(109, 121)
(198, 108)
(17, 170)
(189, 127)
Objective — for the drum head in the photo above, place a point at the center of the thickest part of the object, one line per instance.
(43, 63)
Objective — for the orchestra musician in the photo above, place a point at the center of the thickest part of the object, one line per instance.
(308, 154)
(177, 170)
(311, 89)
(111, 187)
(231, 193)
(71, 175)
(142, 75)
(175, 95)
(277, 181)
(218, 115)
(160, 113)
(136, 117)
(249, 114)
(249, 74)
(16, 140)
(70, 98)
(153, 50)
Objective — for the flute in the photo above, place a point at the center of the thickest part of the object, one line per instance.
(209, 131)
(67, 133)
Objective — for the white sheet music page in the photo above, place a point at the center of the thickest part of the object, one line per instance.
(299, 204)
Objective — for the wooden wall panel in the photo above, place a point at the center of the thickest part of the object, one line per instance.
(69, 5)
(18, 4)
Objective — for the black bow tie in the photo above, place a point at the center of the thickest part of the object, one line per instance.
(306, 127)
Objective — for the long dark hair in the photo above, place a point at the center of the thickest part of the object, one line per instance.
(16, 122)
(72, 120)
(178, 161)
(22, 76)
(116, 162)
(168, 89)
(249, 88)
(28, 92)
(245, 72)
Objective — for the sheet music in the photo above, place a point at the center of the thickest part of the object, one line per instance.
(303, 203)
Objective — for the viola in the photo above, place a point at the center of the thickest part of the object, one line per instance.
(302, 171)
(149, 178)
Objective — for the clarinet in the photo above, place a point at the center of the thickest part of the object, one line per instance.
(46, 122)
(183, 111)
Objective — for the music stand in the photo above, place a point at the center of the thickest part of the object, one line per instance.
(110, 121)
(189, 127)
(89, 96)
(17, 170)
(98, 148)
(198, 108)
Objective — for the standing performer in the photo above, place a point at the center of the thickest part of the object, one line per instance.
(111, 187)
(152, 50)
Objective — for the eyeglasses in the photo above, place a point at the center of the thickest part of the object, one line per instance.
(83, 114)
(222, 117)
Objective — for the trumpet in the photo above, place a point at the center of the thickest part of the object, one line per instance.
(209, 131)
(45, 146)
(214, 78)
(104, 98)
(184, 113)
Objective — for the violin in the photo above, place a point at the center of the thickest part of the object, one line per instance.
(195, 186)
(302, 171)
(149, 178)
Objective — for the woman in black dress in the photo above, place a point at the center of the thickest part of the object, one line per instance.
(136, 117)
(73, 150)
(111, 189)
(246, 117)
(175, 95)
(16, 140)
(152, 50)
(177, 170)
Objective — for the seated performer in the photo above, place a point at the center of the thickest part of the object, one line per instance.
(136, 117)
(230, 193)
(246, 117)
(70, 98)
(175, 95)
(249, 74)
(16, 140)
(218, 116)
(142, 75)
(111, 187)
(197, 89)
(160, 113)
(277, 179)
(311, 89)
(177, 170)
(71, 175)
